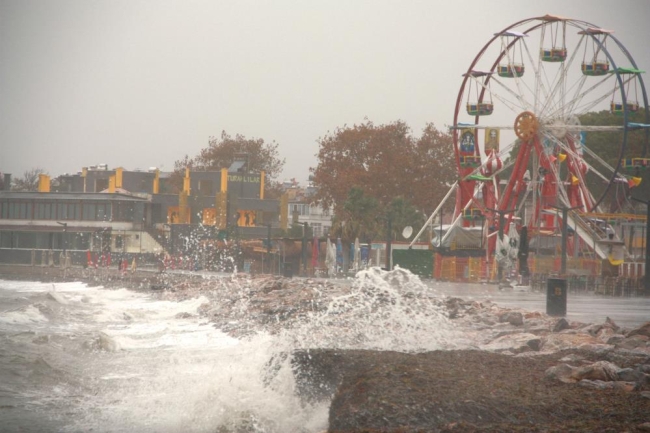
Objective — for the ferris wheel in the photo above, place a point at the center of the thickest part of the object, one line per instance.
(552, 112)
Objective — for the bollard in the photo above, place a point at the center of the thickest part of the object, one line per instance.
(556, 296)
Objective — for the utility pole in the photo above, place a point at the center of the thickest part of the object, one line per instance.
(646, 276)
(268, 247)
(388, 241)
(304, 249)
(565, 213)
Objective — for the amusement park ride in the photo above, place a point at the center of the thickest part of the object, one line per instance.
(532, 86)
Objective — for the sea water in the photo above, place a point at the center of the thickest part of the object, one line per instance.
(75, 358)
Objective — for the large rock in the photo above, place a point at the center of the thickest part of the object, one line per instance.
(514, 343)
(601, 370)
(562, 372)
(633, 341)
(515, 318)
(602, 385)
(641, 330)
(561, 325)
(562, 340)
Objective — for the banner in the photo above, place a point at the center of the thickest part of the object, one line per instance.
(491, 140)
(467, 141)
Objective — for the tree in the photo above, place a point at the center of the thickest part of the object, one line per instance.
(28, 181)
(386, 161)
(402, 214)
(357, 217)
(434, 169)
(223, 151)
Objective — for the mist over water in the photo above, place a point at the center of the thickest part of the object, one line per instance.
(75, 358)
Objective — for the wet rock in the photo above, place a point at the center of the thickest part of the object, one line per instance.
(641, 330)
(562, 372)
(512, 317)
(597, 348)
(604, 334)
(556, 342)
(629, 375)
(609, 323)
(561, 325)
(514, 343)
(108, 343)
(592, 329)
(633, 342)
(643, 381)
(615, 339)
(572, 358)
(530, 315)
(601, 385)
(601, 370)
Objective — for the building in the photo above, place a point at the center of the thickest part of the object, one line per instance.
(302, 209)
(120, 211)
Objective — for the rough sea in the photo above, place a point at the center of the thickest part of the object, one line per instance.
(75, 358)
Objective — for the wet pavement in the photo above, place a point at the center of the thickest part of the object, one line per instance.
(625, 311)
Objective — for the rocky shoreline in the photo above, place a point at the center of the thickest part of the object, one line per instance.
(515, 371)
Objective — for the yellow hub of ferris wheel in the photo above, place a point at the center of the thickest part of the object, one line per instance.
(526, 125)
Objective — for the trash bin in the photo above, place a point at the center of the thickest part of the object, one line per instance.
(288, 270)
(556, 295)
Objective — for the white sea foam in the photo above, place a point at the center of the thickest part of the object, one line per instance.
(24, 315)
(158, 366)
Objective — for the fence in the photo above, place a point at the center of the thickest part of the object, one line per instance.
(34, 257)
(598, 285)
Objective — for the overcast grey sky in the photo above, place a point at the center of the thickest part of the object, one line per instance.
(139, 84)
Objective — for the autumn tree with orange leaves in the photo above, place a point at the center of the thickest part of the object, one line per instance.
(386, 162)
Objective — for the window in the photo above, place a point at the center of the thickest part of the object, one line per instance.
(205, 188)
(317, 229)
(102, 215)
(62, 213)
(89, 212)
(19, 210)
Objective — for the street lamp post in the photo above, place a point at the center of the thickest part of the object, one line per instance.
(389, 229)
(565, 227)
(304, 248)
(646, 276)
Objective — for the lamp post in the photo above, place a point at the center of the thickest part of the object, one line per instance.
(646, 276)
(389, 228)
(268, 247)
(565, 213)
(304, 248)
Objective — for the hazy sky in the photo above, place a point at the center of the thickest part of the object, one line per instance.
(140, 84)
